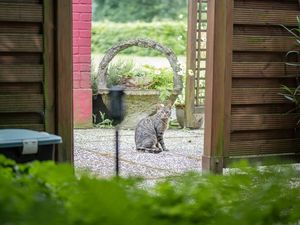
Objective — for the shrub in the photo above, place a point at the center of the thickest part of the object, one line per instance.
(45, 193)
(124, 72)
(133, 10)
(170, 34)
(94, 77)
(119, 70)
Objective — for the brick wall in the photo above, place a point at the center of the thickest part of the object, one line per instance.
(82, 93)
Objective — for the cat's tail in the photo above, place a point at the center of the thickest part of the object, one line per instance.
(149, 150)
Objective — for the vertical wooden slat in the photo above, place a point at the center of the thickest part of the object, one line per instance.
(218, 84)
(191, 63)
(49, 89)
(200, 61)
(64, 79)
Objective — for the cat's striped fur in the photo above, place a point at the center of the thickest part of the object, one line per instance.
(150, 130)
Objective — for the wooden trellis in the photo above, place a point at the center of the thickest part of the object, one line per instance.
(196, 60)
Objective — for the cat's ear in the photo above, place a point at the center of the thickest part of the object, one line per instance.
(169, 105)
(159, 106)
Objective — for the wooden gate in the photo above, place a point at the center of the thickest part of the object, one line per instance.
(36, 68)
(245, 117)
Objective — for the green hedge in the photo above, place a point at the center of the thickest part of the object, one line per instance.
(44, 193)
(137, 10)
(170, 34)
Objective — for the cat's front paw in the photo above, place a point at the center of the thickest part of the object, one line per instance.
(158, 150)
(166, 150)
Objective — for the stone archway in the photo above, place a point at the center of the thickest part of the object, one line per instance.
(145, 43)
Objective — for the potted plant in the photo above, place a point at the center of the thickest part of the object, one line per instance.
(180, 110)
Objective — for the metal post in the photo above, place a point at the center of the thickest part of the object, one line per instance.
(117, 150)
(117, 113)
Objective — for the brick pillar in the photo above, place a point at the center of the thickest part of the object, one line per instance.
(82, 92)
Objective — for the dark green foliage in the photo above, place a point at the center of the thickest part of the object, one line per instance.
(170, 34)
(139, 10)
(290, 93)
(45, 193)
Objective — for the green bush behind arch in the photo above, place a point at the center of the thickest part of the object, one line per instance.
(171, 34)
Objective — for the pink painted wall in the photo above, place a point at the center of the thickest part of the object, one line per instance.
(82, 92)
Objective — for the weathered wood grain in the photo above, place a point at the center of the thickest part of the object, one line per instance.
(265, 17)
(21, 12)
(20, 88)
(263, 43)
(263, 70)
(257, 96)
(21, 103)
(21, 43)
(21, 28)
(270, 5)
(21, 118)
(241, 122)
(21, 73)
(261, 109)
(36, 127)
(252, 135)
(259, 147)
(20, 58)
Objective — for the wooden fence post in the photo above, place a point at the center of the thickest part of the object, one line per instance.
(191, 63)
(64, 79)
(218, 84)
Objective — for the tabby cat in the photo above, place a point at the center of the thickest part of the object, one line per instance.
(150, 130)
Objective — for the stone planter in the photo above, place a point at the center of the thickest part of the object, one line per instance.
(180, 115)
(198, 116)
(138, 104)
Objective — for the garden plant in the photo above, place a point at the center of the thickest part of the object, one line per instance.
(45, 193)
(292, 94)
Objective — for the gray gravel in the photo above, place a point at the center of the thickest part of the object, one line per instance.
(95, 152)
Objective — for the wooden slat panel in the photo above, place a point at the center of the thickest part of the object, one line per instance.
(263, 69)
(22, 1)
(265, 159)
(265, 17)
(20, 28)
(263, 82)
(20, 58)
(259, 30)
(260, 57)
(264, 147)
(21, 103)
(21, 73)
(257, 96)
(263, 43)
(21, 43)
(261, 109)
(264, 121)
(36, 127)
(20, 88)
(252, 135)
(20, 118)
(274, 4)
(21, 12)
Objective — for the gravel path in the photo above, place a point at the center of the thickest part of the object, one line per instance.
(94, 151)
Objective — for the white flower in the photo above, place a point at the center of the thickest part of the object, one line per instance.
(190, 72)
